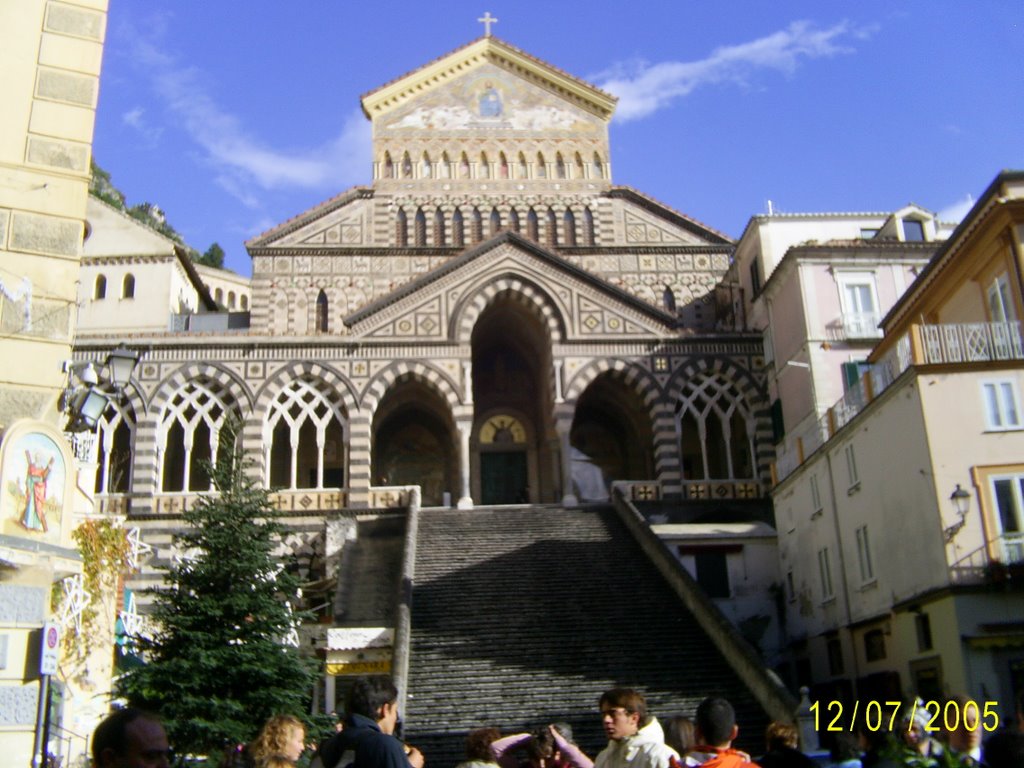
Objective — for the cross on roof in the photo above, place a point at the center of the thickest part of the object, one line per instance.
(487, 20)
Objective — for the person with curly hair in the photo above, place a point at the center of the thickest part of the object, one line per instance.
(282, 736)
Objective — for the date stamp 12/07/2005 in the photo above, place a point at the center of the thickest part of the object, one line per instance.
(885, 715)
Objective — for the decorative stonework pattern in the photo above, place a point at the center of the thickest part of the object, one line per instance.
(18, 704)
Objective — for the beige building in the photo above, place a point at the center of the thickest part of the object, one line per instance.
(900, 535)
(50, 54)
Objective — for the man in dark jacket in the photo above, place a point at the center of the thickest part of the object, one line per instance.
(368, 740)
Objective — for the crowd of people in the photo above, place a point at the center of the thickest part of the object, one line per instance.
(367, 738)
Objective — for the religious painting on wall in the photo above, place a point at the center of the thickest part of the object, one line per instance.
(34, 474)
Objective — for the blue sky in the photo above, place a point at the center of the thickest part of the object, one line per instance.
(234, 117)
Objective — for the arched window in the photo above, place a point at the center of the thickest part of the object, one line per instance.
(100, 289)
(532, 226)
(569, 227)
(426, 169)
(305, 435)
(524, 169)
(231, 299)
(438, 227)
(542, 168)
(191, 434)
(406, 166)
(128, 286)
(420, 228)
(446, 166)
(476, 225)
(115, 433)
(485, 167)
(588, 227)
(244, 302)
(580, 170)
(321, 312)
(458, 229)
(716, 431)
(495, 222)
(503, 166)
(559, 166)
(218, 296)
(401, 228)
(598, 167)
(464, 166)
(389, 166)
(552, 228)
(513, 220)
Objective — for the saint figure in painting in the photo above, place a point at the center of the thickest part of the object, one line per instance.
(490, 103)
(34, 516)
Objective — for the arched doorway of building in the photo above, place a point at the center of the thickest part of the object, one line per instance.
(413, 441)
(611, 430)
(513, 439)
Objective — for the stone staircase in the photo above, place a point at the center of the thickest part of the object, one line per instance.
(523, 616)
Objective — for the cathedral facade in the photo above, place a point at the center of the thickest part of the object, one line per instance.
(490, 319)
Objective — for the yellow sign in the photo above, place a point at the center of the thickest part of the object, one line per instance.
(369, 667)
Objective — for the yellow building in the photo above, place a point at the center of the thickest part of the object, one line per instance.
(50, 55)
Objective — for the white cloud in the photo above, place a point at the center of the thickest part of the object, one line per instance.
(955, 212)
(643, 88)
(135, 118)
(245, 164)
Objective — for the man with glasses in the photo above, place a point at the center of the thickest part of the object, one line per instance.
(635, 739)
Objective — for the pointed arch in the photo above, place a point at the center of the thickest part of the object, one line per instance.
(321, 312)
(494, 223)
(191, 434)
(464, 166)
(598, 167)
(439, 238)
(305, 435)
(528, 294)
(716, 429)
(476, 225)
(559, 166)
(420, 228)
(588, 226)
(569, 228)
(513, 220)
(458, 229)
(542, 168)
(401, 228)
(115, 433)
(532, 225)
(551, 225)
(426, 168)
(503, 171)
(402, 370)
(524, 170)
(485, 167)
(580, 169)
(406, 166)
(389, 166)
(445, 170)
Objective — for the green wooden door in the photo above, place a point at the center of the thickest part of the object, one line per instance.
(503, 477)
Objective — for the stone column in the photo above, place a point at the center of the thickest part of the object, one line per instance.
(465, 428)
(563, 426)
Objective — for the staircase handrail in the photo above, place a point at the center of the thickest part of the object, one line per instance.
(766, 687)
(403, 615)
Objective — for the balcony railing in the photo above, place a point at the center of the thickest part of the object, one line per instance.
(922, 345)
(990, 563)
(862, 325)
(971, 342)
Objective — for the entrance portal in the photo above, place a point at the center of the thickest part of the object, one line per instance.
(503, 477)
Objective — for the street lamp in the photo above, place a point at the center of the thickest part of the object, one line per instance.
(83, 399)
(961, 501)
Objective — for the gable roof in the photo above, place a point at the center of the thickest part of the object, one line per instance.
(300, 220)
(530, 247)
(671, 214)
(496, 51)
